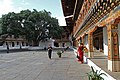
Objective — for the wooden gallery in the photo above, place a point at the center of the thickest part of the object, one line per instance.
(96, 23)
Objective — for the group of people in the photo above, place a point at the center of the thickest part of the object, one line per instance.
(50, 51)
(80, 52)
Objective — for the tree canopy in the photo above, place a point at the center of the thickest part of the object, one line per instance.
(34, 25)
(0, 26)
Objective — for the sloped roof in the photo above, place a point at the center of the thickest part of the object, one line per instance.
(71, 10)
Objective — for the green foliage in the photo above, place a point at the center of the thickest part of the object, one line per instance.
(0, 26)
(59, 53)
(34, 25)
(95, 75)
(10, 24)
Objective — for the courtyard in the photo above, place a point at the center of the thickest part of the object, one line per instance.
(35, 65)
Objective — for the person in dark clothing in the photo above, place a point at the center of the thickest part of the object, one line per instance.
(49, 51)
(7, 47)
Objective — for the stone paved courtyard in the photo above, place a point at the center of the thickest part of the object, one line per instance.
(35, 65)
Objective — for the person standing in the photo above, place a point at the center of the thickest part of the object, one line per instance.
(80, 52)
(49, 51)
(7, 47)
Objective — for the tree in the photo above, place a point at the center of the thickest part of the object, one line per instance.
(0, 26)
(11, 25)
(34, 25)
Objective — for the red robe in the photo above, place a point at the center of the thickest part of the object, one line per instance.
(80, 53)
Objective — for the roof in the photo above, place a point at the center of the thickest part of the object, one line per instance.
(70, 8)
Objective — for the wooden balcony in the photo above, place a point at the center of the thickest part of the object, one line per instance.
(97, 11)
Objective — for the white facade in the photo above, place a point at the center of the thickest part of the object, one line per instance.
(119, 37)
(105, 40)
(16, 46)
(45, 44)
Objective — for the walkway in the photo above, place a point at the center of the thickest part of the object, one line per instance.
(35, 65)
(100, 62)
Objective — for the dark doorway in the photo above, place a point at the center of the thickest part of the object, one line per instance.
(63, 44)
(13, 44)
(96, 43)
(98, 39)
(56, 44)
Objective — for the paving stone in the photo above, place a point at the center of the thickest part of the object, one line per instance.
(35, 65)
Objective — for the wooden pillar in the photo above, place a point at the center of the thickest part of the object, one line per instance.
(83, 39)
(113, 48)
(75, 43)
(100, 43)
(90, 43)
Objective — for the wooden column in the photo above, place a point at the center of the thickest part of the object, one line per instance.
(100, 43)
(75, 43)
(90, 43)
(113, 48)
(83, 39)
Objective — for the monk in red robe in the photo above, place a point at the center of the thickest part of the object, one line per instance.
(80, 52)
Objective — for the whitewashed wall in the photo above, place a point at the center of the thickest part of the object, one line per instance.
(105, 40)
(4, 47)
(44, 44)
(86, 41)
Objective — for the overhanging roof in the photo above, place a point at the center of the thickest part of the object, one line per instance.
(71, 9)
(68, 7)
(77, 9)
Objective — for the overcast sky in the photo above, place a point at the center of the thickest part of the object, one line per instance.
(54, 6)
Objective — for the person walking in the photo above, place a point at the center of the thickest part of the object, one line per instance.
(49, 51)
(7, 47)
(80, 52)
